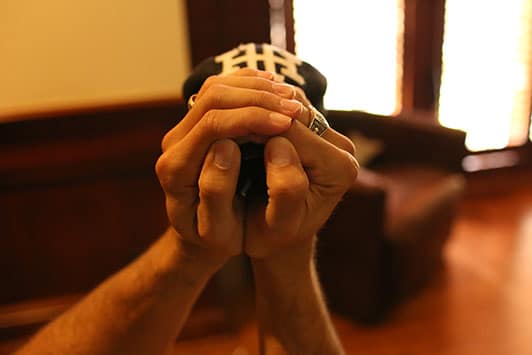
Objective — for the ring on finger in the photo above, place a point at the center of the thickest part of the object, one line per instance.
(191, 101)
(318, 124)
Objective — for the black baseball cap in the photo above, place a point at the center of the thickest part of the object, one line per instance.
(285, 65)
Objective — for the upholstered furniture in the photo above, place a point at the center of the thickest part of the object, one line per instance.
(385, 240)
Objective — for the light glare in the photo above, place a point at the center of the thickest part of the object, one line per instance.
(357, 45)
(486, 71)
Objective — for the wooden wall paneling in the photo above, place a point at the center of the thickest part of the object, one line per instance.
(216, 26)
(79, 199)
(66, 238)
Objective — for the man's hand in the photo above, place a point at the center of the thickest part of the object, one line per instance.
(199, 167)
(306, 177)
(142, 308)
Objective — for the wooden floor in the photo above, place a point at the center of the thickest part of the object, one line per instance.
(480, 305)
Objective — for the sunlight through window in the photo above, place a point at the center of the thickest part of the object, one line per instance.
(486, 73)
(357, 45)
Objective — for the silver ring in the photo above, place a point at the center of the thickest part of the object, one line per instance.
(191, 101)
(318, 124)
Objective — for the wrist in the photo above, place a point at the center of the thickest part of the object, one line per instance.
(190, 263)
(284, 283)
(282, 268)
(293, 257)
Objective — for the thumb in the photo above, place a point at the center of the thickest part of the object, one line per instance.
(217, 185)
(287, 188)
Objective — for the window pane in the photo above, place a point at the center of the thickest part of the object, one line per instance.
(486, 73)
(357, 45)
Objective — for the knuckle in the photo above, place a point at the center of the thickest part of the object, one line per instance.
(210, 81)
(245, 71)
(210, 188)
(350, 169)
(167, 169)
(162, 170)
(165, 142)
(300, 93)
(211, 121)
(293, 188)
(214, 94)
(261, 97)
(348, 145)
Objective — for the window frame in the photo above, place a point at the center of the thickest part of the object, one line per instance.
(422, 52)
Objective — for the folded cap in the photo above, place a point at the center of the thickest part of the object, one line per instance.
(285, 65)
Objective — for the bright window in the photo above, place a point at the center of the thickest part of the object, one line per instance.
(486, 80)
(357, 45)
(486, 84)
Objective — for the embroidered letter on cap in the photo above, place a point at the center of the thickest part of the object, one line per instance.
(246, 56)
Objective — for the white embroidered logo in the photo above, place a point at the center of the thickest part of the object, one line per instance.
(271, 56)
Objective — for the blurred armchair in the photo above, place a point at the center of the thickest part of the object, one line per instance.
(385, 240)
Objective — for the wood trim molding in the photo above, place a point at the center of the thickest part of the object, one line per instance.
(62, 110)
(289, 22)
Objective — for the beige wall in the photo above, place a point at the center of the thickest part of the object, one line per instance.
(57, 54)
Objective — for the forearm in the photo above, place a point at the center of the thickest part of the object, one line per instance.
(290, 304)
(140, 310)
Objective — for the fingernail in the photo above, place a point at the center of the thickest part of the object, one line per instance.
(280, 120)
(291, 106)
(280, 153)
(265, 74)
(284, 90)
(223, 155)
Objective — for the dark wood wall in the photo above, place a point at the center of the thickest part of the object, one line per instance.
(216, 26)
(78, 197)
(422, 51)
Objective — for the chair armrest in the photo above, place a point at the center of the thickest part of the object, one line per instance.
(350, 254)
(405, 139)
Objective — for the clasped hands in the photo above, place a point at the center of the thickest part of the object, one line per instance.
(306, 175)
